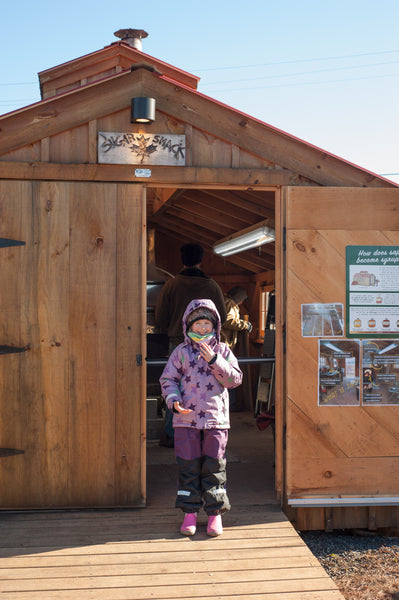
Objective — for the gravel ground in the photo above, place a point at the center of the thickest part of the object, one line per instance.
(364, 566)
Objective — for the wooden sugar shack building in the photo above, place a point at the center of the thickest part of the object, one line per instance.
(82, 188)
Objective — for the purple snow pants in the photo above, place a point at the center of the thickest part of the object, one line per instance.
(200, 456)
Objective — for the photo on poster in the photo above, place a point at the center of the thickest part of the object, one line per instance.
(380, 370)
(372, 291)
(339, 362)
(322, 320)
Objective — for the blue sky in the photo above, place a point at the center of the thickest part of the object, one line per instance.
(326, 72)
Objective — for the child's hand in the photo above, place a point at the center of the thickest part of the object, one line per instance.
(180, 409)
(206, 351)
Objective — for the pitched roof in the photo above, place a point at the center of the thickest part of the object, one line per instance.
(116, 57)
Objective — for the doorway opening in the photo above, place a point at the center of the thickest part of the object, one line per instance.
(178, 216)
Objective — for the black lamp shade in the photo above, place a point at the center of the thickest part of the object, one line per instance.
(143, 110)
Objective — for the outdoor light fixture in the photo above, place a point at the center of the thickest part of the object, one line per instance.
(252, 237)
(143, 110)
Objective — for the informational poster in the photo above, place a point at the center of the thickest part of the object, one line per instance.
(339, 364)
(380, 372)
(372, 291)
(322, 320)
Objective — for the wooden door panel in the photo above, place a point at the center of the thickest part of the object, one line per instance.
(73, 294)
(131, 316)
(332, 450)
(13, 404)
(92, 342)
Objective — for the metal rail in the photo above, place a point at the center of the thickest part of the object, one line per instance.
(242, 360)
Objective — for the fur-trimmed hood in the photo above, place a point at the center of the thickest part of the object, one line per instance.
(201, 303)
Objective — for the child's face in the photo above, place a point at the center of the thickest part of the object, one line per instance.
(202, 326)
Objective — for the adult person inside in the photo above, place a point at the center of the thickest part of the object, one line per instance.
(234, 323)
(189, 284)
(232, 327)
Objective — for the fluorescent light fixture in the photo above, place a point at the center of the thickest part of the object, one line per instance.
(390, 347)
(252, 237)
(332, 347)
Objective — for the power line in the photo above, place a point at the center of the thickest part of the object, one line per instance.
(394, 62)
(299, 83)
(300, 60)
(19, 83)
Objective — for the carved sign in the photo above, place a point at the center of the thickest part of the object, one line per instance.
(141, 148)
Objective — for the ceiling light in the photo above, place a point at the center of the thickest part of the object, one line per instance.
(253, 237)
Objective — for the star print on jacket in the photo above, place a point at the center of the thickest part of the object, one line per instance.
(202, 388)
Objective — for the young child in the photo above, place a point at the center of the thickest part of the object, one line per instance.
(195, 383)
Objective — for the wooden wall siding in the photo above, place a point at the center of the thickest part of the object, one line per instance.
(72, 145)
(28, 153)
(371, 517)
(208, 150)
(248, 160)
(333, 450)
(73, 294)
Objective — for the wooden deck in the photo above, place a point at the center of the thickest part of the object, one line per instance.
(139, 554)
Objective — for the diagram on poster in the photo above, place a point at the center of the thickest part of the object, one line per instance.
(339, 372)
(322, 320)
(372, 291)
(380, 371)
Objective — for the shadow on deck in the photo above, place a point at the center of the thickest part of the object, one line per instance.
(137, 554)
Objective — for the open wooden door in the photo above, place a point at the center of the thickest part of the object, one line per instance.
(72, 314)
(333, 450)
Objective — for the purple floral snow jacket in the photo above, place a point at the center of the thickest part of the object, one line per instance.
(190, 380)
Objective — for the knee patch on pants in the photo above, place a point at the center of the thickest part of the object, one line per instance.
(213, 481)
(189, 484)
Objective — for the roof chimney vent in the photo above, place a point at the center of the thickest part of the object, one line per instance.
(132, 37)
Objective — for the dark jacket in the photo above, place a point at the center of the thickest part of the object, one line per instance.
(190, 284)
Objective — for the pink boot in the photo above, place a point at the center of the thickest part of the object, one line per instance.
(189, 524)
(214, 525)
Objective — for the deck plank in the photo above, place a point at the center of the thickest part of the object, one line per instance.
(140, 555)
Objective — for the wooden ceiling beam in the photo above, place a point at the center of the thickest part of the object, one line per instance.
(238, 200)
(244, 261)
(220, 214)
(219, 204)
(162, 195)
(241, 261)
(203, 220)
(200, 234)
(266, 198)
(189, 219)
